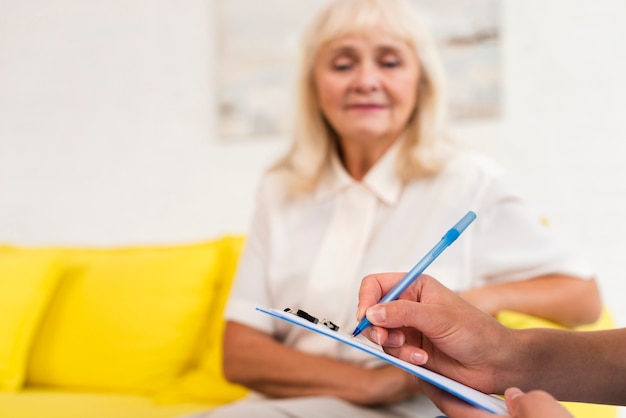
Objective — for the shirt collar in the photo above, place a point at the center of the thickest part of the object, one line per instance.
(381, 180)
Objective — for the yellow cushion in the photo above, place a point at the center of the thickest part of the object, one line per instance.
(49, 403)
(126, 320)
(579, 410)
(206, 382)
(27, 280)
(520, 321)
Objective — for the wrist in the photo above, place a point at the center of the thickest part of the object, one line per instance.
(366, 389)
(517, 355)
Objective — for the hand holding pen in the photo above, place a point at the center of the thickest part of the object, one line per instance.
(421, 265)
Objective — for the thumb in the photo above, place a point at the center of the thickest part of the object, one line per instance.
(512, 397)
(536, 403)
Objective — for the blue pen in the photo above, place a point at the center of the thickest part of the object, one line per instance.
(419, 268)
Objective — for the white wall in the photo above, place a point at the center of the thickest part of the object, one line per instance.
(107, 133)
(106, 129)
(564, 134)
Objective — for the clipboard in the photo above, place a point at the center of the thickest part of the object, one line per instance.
(489, 403)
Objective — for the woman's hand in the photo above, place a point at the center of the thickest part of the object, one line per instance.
(279, 371)
(389, 384)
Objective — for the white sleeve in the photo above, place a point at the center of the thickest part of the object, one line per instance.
(249, 289)
(511, 243)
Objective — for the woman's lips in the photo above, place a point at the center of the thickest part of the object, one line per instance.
(365, 106)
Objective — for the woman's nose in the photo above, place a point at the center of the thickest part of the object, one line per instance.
(367, 79)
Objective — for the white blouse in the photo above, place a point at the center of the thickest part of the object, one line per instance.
(311, 251)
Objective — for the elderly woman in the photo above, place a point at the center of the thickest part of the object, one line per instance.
(370, 184)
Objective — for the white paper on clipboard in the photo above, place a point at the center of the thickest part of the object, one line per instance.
(489, 403)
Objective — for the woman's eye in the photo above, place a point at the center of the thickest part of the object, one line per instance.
(342, 67)
(342, 64)
(390, 63)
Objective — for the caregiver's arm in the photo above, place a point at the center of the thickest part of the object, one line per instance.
(447, 334)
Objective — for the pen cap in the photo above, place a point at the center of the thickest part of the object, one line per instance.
(460, 226)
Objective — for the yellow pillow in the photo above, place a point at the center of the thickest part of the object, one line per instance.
(205, 382)
(27, 280)
(519, 320)
(126, 320)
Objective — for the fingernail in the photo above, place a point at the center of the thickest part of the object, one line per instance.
(395, 339)
(375, 335)
(513, 393)
(418, 358)
(376, 314)
(359, 314)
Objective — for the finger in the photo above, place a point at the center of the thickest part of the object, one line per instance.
(394, 342)
(385, 337)
(441, 310)
(424, 289)
(377, 335)
(397, 314)
(395, 338)
(536, 403)
(409, 353)
(373, 288)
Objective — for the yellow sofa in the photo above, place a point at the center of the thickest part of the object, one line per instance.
(116, 332)
(129, 332)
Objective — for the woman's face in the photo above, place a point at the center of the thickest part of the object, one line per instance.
(366, 86)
